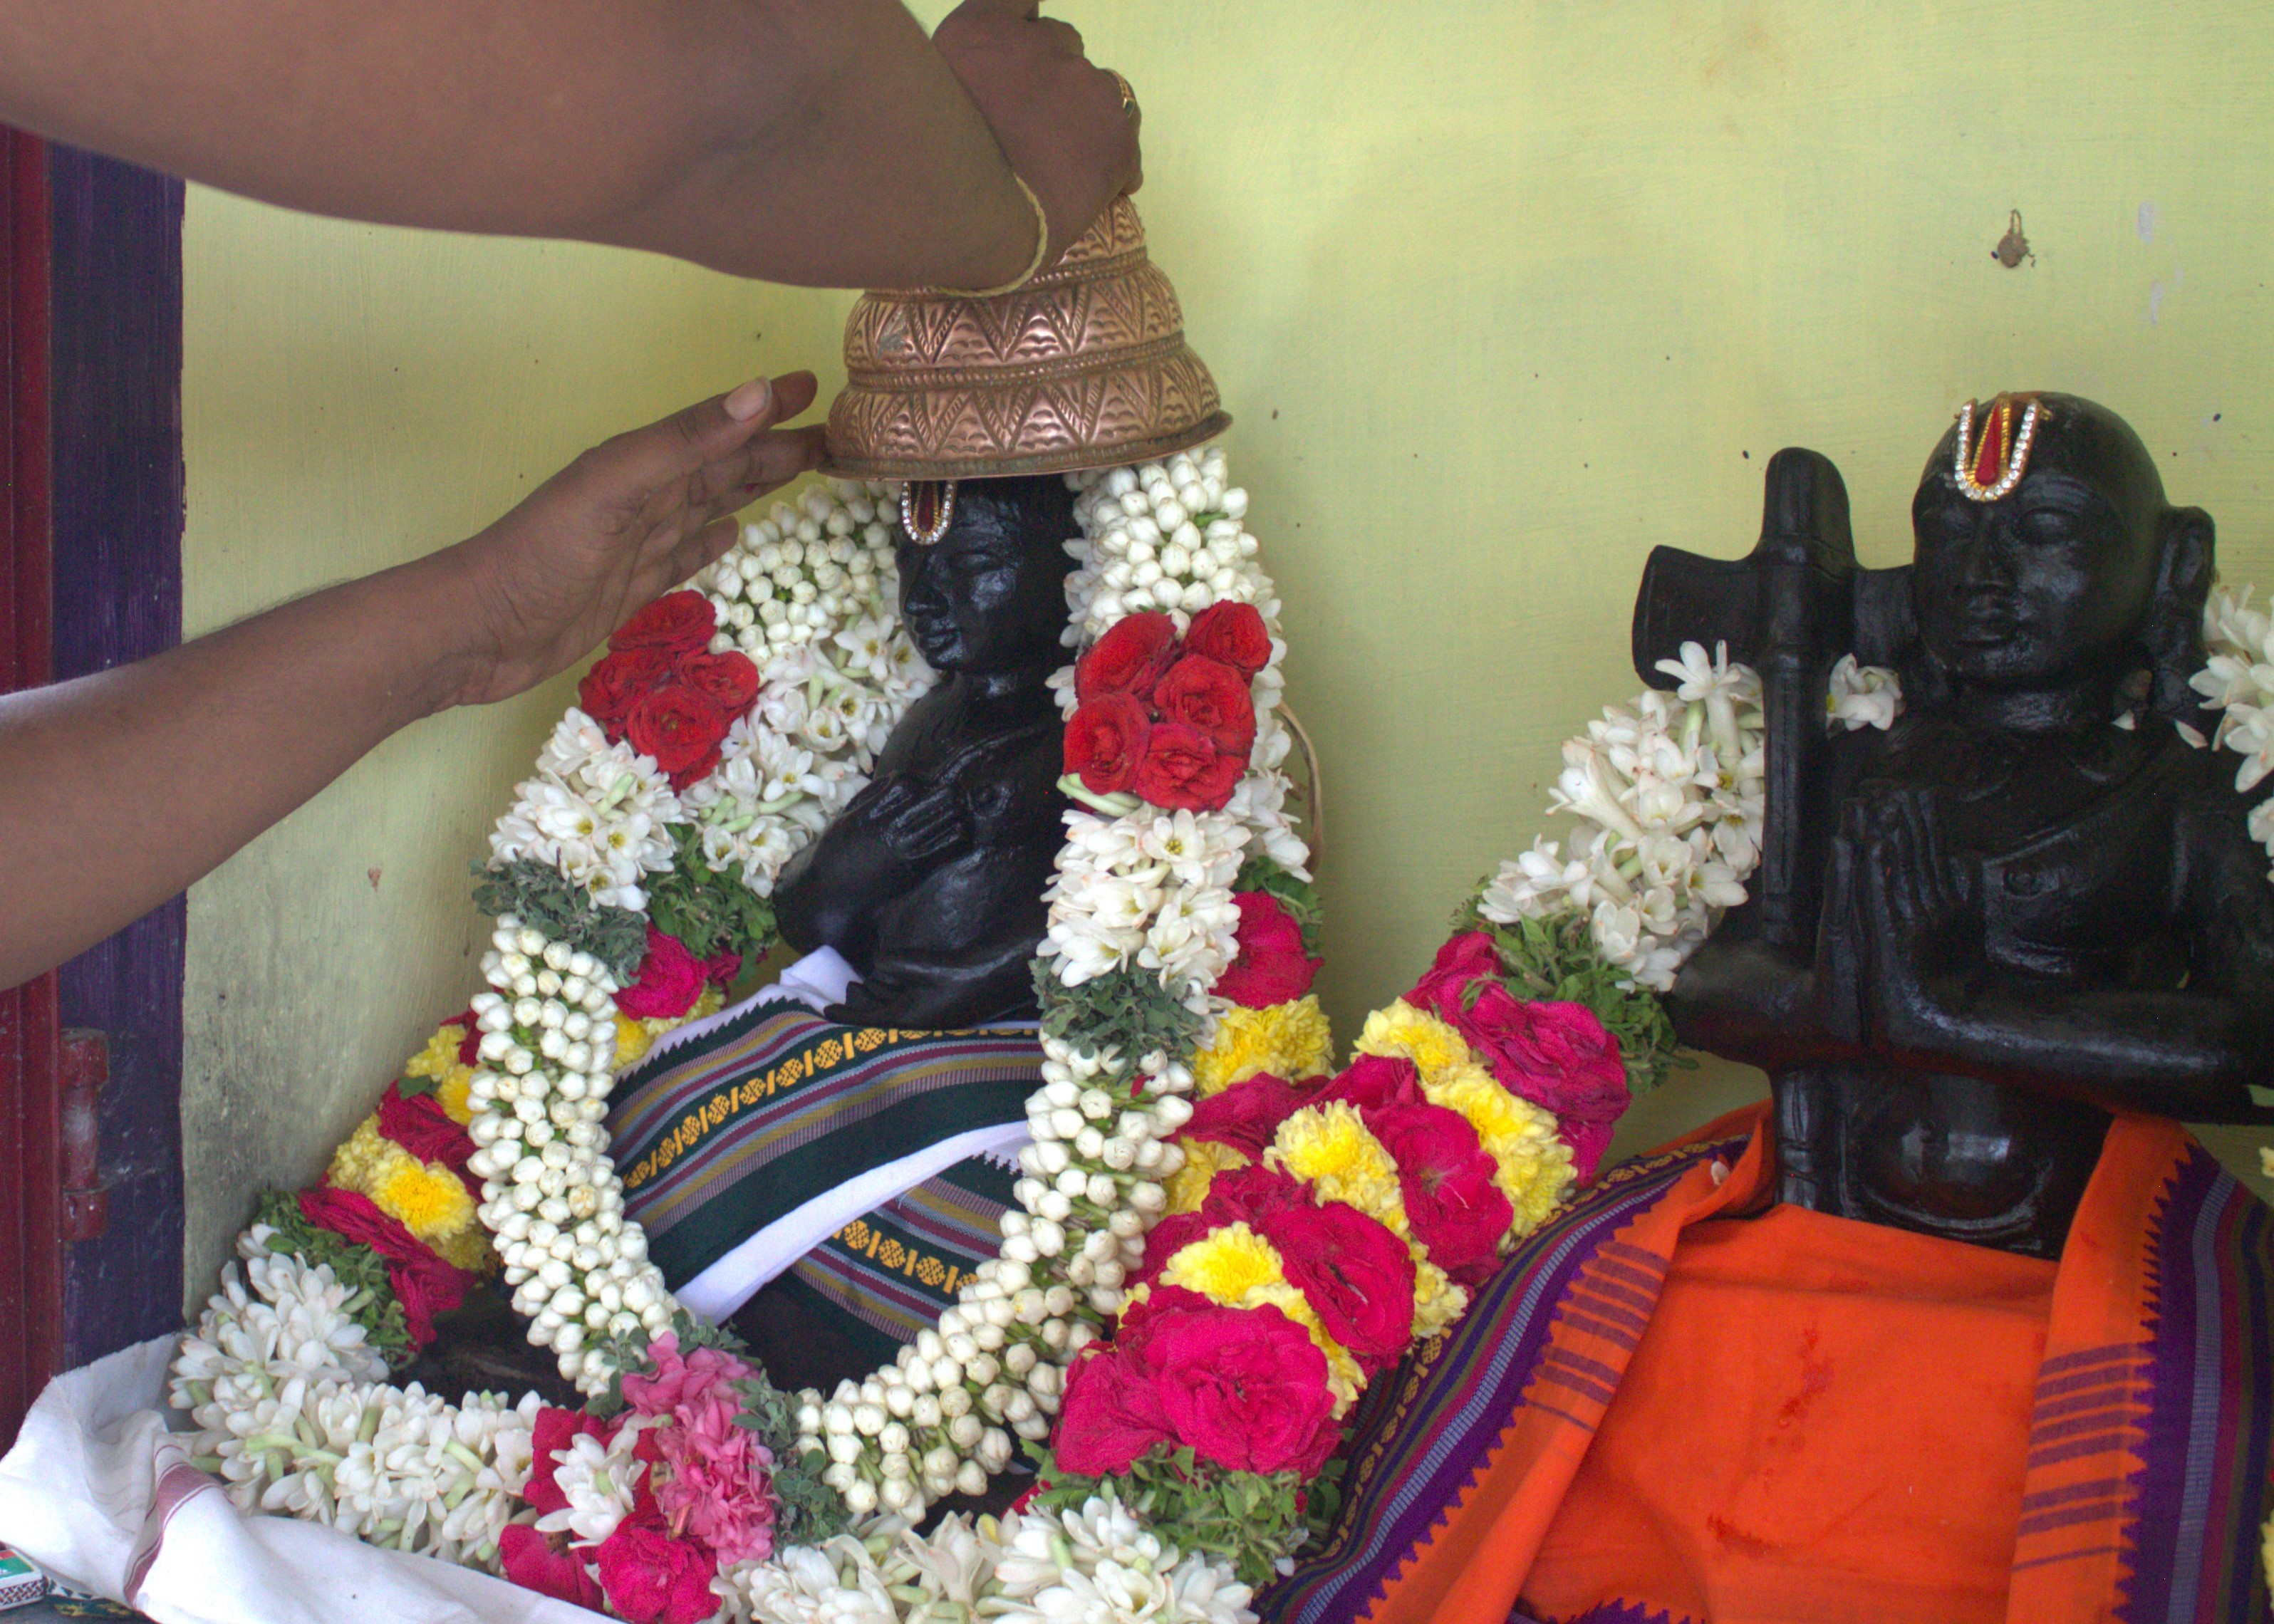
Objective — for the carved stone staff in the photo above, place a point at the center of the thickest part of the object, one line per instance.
(1790, 609)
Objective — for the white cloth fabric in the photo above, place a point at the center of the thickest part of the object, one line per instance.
(98, 1492)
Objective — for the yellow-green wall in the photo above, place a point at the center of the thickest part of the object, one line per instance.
(1500, 295)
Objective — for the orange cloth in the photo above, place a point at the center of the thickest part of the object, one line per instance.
(1819, 1409)
(1682, 1450)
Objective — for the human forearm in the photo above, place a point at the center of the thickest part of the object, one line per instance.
(816, 141)
(120, 789)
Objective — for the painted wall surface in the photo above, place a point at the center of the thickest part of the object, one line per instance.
(1500, 296)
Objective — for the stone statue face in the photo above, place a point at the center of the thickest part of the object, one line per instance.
(989, 596)
(2055, 579)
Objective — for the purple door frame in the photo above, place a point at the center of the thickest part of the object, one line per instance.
(90, 576)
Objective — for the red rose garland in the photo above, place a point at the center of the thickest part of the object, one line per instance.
(1162, 716)
(659, 687)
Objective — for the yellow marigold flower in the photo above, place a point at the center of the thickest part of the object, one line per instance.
(468, 1249)
(709, 1002)
(363, 1156)
(1533, 1165)
(1329, 1147)
(633, 1040)
(1225, 1265)
(440, 1058)
(1188, 1186)
(1289, 1041)
(453, 1095)
(1437, 1301)
(428, 1200)
(1403, 1031)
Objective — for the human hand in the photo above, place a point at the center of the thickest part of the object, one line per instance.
(1059, 120)
(625, 523)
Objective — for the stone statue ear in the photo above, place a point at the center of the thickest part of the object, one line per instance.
(2186, 563)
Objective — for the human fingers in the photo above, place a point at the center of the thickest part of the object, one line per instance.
(705, 432)
(748, 471)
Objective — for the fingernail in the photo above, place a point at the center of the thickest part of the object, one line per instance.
(749, 401)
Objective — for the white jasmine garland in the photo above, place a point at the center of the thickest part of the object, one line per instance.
(810, 595)
(2238, 681)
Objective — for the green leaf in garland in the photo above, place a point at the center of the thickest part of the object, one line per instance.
(547, 900)
(372, 1303)
(1128, 1009)
(1245, 1520)
(709, 910)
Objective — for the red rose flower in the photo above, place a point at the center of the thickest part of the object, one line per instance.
(1210, 695)
(1165, 1239)
(681, 728)
(670, 979)
(1271, 968)
(554, 1431)
(1557, 1056)
(421, 1126)
(532, 1562)
(1137, 1320)
(1244, 1388)
(1373, 1082)
(1446, 1179)
(1357, 1276)
(1105, 741)
(469, 1047)
(677, 623)
(1249, 1195)
(617, 682)
(422, 1282)
(1246, 1115)
(1233, 633)
(730, 679)
(652, 1578)
(1111, 1414)
(1127, 660)
(1182, 771)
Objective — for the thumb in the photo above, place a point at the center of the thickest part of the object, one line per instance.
(707, 429)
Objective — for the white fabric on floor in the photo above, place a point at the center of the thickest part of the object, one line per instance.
(95, 1479)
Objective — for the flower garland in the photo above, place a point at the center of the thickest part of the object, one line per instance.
(1307, 1226)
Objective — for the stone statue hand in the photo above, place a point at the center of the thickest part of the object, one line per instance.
(1060, 120)
(1915, 906)
(625, 521)
(917, 824)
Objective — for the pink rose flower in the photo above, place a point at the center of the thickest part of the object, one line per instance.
(1555, 1055)
(1111, 1414)
(1446, 1178)
(1271, 966)
(531, 1561)
(712, 1479)
(652, 1578)
(670, 979)
(1244, 1388)
(1246, 1115)
(1357, 1276)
